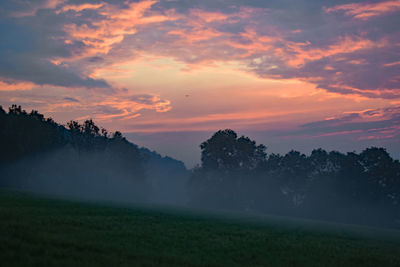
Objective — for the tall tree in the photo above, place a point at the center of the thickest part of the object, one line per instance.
(224, 151)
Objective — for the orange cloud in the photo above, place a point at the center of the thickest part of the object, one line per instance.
(392, 64)
(78, 8)
(51, 4)
(347, 44)
(105, 32)
(15, 86)
(338, 133)
(121, 106)
(212, 121)
(255, 43)
(365, 11)
(195, 35)
(129, 106)
(373, 93)
(198, 33)
(377, 137)
(208, 16)
(201, 28)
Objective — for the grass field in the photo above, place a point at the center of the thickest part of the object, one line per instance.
(39, 231)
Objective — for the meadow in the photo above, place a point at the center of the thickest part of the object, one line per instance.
(46, 231)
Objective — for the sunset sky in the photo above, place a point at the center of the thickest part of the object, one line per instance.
(295, 74)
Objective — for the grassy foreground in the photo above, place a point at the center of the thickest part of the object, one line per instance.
(36, 231)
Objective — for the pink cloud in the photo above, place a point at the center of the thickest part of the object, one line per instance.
(120, 106)
(374, 137)
(345, 45)
(365, 11)
(16, 85)
(208, 16)
(79, 8)
(195, 35)
(110, 29)
(391, 64)
(339, 133)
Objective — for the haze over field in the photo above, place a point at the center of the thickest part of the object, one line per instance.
(236, 173)
(75, 233)
(290, 74)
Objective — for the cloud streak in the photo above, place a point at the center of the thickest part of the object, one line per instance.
(365, 11)
(369, 124)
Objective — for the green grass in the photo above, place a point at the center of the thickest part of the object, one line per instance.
(39, 231)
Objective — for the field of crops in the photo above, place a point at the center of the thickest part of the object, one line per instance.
(43, 231)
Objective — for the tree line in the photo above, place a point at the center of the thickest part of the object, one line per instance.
(82, 159)
(235, 172)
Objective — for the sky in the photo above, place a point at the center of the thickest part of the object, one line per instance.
(298, 74)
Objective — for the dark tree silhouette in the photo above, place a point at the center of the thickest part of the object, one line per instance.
(28, 135)
(225, 152)
(226, 161)
(358, 188)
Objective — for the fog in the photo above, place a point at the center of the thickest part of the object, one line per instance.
(89, 175)
(69, 173)
(82, 160)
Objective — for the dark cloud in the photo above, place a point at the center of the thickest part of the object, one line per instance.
(32, 41)
(146, 99)
(377, 121)
(369, 72)
(95, 59)
(332, 122)
(71, 99)
(28, 67)
(107, 110)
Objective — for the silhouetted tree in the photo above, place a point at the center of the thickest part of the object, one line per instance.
(27, 135)
(235, 173)
(226, 162)
(90, 128)
(74, 127)
(293, 175)
(225, 152)
(117, 135)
